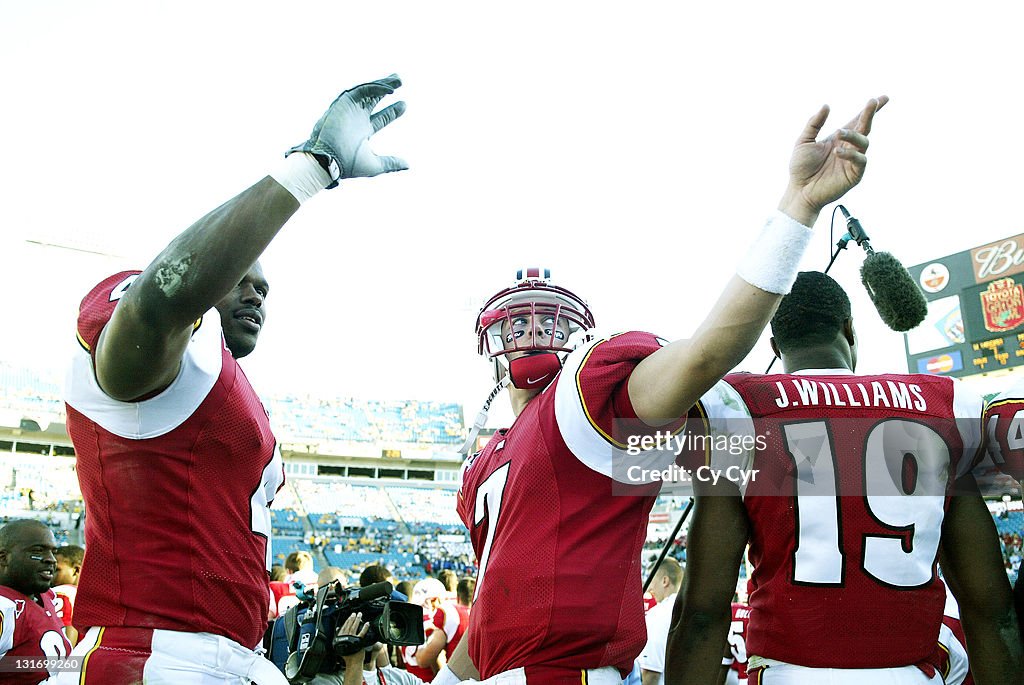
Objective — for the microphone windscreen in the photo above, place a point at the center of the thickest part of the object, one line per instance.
(897, 298)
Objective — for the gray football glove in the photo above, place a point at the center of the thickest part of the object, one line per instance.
(340, 140)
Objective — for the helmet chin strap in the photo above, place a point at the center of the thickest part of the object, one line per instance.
(481, 418)
(534, 371)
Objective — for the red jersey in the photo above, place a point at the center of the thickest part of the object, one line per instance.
(177, 488)
(29, 630)
(836, 458)
(1004, 424)
(738, 639)
(558, 551)
(64, 602)
(455, 624)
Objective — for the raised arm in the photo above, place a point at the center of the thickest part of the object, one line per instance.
(973, 567)
(703, 610)
(667, 383)
(141, 348)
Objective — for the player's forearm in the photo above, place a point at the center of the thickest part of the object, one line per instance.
(209, 258)
(1018, 600)
(665, 385)
(994, 645)
(733, 328)
(460, 663)
(694, 653)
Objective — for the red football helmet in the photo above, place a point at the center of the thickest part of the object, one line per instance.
(558, 317)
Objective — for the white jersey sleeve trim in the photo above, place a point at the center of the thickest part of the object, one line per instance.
(7, 618)
(959, 665)
(594, 449)
(200, 368)
(968, 407)
(729, 430)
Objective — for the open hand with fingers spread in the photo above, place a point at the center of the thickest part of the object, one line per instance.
(340, 140)
(822, 171)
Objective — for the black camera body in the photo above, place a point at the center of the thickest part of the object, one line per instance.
(312, 627)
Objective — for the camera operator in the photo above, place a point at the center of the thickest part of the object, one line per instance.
(364, 663)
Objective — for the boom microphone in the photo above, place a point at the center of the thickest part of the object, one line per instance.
(897, 298)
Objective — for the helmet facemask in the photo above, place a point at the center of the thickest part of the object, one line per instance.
(528, 330)
(529, 359)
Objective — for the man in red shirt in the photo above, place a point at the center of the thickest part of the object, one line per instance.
(176, 460)
(557, 550)
(32, 640)
(845, 490)
(65, 586)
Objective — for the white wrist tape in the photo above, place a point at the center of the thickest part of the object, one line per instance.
(301, 175)
(773, 260)
(446, 677)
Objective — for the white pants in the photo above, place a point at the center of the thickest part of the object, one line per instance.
(781, 673)
(115, 656)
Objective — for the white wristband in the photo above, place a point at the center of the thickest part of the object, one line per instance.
(301, 175)
(773, 260)
(446, 677)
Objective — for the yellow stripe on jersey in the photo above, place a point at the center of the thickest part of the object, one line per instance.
(85, 659)
(583, 676)
(583, 401)
(999, 403)
(81, 341)
(949, 661)
(699, 406)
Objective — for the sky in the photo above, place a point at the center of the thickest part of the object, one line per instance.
(634, 151)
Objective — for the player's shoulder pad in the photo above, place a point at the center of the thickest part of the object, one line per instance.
(595, 417)
(585, 394)
(98, 305)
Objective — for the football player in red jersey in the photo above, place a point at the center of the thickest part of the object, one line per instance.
(1004, 425)
(848, 494)
(176, 460)
(442, 628)
(557, 551)
(65, 586)
(735, 662)
(31, 635)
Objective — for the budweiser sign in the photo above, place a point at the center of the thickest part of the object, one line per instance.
(1002, 258)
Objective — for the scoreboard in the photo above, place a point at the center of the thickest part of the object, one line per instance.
(975, 321)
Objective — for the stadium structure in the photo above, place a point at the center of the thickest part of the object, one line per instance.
(368, 481)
